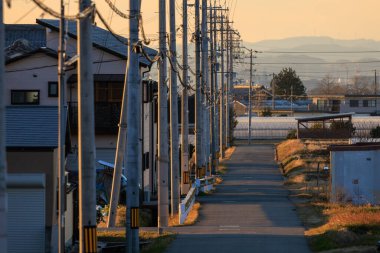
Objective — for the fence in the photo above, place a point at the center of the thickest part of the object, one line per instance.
(279, 127)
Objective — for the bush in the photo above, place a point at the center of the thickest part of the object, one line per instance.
(336, 125)
(267, 112)
(375, 132)
(292, 134)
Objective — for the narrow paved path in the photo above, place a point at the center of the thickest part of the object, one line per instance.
(249, 212)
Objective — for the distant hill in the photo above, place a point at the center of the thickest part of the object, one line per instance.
(312, 73)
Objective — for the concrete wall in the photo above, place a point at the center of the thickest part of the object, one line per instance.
(355, 176)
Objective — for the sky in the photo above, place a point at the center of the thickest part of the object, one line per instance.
(256, 20)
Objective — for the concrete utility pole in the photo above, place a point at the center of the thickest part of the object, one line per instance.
(185, 180)
(3, 159)
(212, 90)
(216, 96)
(375, 82)
(174, 152)
(221, 99)
(230, 86)
(62, 132)
(132, 163)
(205, 84)
(86, 135)
(250, 96)
(198, 95)
(273, 92)
(227, 88)
(163, 159)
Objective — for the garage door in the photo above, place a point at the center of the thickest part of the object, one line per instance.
(26, 213)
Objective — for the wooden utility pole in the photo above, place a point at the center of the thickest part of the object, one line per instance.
(229, 88)
(185, 180)
(62, 116)
(132, 163)
(3, 160)
(198, 95)
(163, 158)
(216, 95)
(86, 135)
(174, 152)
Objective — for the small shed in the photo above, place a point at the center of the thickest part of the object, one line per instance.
(355, 173)
(332, 126)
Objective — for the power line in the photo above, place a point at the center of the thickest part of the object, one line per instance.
(319, 52)
(313, 63)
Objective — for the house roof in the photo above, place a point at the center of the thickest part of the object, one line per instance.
(325, 117)
(32, 126)
(101, 39)
(15, 55)
(33, 33)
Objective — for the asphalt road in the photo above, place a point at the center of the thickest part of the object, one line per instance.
(249, 212)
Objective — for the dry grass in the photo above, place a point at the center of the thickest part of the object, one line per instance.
(329, 226)
(191, 219)
(145, 218)
(227, 154)
(289, 148)
(156, 243)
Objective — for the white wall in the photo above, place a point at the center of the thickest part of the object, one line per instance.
(355, 176)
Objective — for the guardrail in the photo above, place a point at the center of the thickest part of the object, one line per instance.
(204, 185)
(186, 205)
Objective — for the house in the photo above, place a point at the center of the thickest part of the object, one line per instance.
(31, 91)
(359, 104)
(239, 108)
(355, 173)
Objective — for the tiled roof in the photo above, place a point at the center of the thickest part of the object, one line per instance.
(32, 126)
(33, 33)
(101, 38)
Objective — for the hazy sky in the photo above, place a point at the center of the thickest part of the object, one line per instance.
(255, 19)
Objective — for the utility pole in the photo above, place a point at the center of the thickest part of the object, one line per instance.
(375, 82)
(227, 111)
(86, 135)
(198, 95)
(216, 95)
(163, 159)
(62, 132)
(212, 98)
(221, 99)
(205, 84)
(185, 179)
(132, 163)
(250, 95)
(174, 153)
(273, 92)
(231, 83)
(3, 159)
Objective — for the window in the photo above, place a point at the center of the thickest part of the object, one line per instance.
(322, 105)
(25, 97)
(53, 89)
(354, 103)
(109, 92)
(369, 103)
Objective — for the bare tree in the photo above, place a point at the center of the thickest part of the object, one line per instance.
(360, 85)
(329, 85)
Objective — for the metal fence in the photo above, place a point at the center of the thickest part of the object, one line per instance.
(279, 127)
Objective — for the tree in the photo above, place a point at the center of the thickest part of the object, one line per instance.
(287, 82)
(329, 86)
(360, 85)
